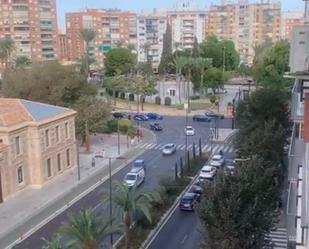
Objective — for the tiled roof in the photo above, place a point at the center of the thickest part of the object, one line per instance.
(15, 111)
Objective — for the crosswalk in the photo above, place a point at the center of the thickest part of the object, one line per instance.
(205, 147)
(277, 238)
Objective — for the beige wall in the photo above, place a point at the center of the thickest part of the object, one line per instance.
(34, 153)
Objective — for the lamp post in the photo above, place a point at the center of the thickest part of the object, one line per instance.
(118, 135)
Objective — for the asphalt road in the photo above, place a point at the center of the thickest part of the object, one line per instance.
(157, 166)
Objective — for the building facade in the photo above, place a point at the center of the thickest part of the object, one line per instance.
(112, 28)
(63, 47)
(150, 32)
(288, 21)
(187, 23)
(32, 25)
(37, 143)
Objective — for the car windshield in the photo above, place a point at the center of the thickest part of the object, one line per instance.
(131, 177)
(169, 146)
(206, 170)
(138, 164)
(187, 199)
(189, 128)
(216, 159)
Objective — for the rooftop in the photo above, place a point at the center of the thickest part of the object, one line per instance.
(15, 111)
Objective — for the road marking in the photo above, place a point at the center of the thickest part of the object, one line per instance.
(189, 147)
(205, 147)
(161, 148)
(152, 146)
(215, 148)
(178, 146)
(158, 146)
(184, 239)
(182, 147)
(148, 146)
(230, 150)
(226, 148)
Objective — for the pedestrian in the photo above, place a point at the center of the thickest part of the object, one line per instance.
(221, 152)
(93, 162)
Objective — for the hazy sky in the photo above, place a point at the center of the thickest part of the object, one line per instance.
(137, 5)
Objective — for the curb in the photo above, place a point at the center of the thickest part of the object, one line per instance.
(74, 200)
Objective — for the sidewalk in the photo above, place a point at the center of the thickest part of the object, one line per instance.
(31, 208)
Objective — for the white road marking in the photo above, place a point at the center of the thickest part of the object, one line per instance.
(205, 147)
(148, 146)
(230, 150)
(178, 146)
(190, 147)
(225, 149)
(158, 146)
(184, 239)
(183, 146)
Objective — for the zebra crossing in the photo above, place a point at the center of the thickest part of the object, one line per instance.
(277, 238)
(205, 147)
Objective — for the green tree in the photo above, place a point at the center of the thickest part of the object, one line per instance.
(22, 61)
(201, 65)
(179, 63)
(167, 51)
(244, 70)
(114, 84)
(119, 61)
(214, 78)
(88, 36)
(85, 230)
(54, 244)
(130, 202)
(6, 48)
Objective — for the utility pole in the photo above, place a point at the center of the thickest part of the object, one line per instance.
(77, 161)
(118, 133)
(110, 199)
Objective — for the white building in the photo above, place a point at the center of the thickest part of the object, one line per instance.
(150, 32)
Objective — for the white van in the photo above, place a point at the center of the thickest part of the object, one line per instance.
(135, 177)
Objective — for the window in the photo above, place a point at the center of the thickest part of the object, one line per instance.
(59, 161)
(17, 145)
(20, 176)
(47, 138)
(48, 167)
(68, 157)
(57, 134)
(172, 92)
(66, 130)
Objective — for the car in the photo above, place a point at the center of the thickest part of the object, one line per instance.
(188, 201)
(196, 188)
(207, 172)
(229, 169)
(213, 115)
(154, 116)
(189, 131)
(217, 161)
(139, 163)
(119, 115)
(155, 127)
(169, 149)
(135, 177)
(201, 118)
(140, 117)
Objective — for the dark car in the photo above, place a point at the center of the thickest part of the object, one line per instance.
(197, 189)
(119, 115)
(155, 127)
(139, 163)
(188, 201)
(201, 117)
(214, 115)
(154, 116)
(140, 117)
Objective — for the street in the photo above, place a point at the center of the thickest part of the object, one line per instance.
(157, 166)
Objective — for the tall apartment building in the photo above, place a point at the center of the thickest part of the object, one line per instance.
(150, 31)
(288, 20)
(187, 22)
(247, 24)
(112, 28)
(33, 27)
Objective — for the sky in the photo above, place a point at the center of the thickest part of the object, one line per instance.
(64, 6)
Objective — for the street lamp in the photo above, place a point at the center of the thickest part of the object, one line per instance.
(118, 135)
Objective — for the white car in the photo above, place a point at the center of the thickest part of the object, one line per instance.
(189, 131)
(169, 149)
(217, 161)
(208, 172)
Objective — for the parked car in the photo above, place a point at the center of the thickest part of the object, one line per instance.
(197, 189)
(188, 201)
(135, 177)
(229, 168)
(208, 172)
(189, 131)
(155, 127)
(154, 116)
(217, 161)
(201, 118)
(169, 149)
(140, 117)
(214, 115)
(119, 115)
(139, 163)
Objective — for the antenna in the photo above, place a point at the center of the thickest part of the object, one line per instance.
(306, 11)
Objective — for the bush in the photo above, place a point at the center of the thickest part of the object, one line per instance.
(125, 127)
(212, 99)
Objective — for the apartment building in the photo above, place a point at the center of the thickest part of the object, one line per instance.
(63, 47)
(112, 28)
(246, 24)
(187, 23)
(150, 32)
(288, 21)
(37, 144)
(33, 27)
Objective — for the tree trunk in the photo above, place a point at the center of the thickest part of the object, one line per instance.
(115, 101)
(178, 85)
(127, 230)
(87, 138)
(142, 106)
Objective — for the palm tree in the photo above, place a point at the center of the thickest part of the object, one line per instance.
(202, 64)
(179, 62)
(53, 244)
(129, 203)
(6, 48)
(87, 35)
(86, 230)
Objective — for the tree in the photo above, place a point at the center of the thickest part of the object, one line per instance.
(49, 83)
(119, 61)
(54, 244)
(201, 65)
(91, 115)
(244, 70)
(22, 61)
(214, 78)
(130, 202)
(88, 36)
(179, 63)
(6, 48)
(115, 84)
(86, 230)
(167, 51)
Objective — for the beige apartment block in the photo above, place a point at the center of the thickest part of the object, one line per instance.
(33, 27)
(288, 21)
(37, 143)
(112, 28)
